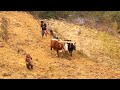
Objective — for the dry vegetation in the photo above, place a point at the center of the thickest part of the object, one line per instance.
(96, 51)
(97, 45)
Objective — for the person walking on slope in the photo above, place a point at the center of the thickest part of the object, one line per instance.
(53, 34)
(28, 61)
(44, 28)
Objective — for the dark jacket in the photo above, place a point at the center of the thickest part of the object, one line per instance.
(43, 26)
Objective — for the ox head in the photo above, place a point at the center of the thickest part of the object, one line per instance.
(72, 46)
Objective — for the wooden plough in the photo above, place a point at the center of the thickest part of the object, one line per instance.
(66, 41)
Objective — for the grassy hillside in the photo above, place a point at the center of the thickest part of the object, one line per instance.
(24, 36)
(94, 44)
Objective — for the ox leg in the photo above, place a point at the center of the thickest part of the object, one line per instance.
(70, 53)
(64, 54)
(51, 49)
(58, 53)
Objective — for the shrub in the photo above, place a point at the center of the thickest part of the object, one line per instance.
(115, 28)
(4, 27)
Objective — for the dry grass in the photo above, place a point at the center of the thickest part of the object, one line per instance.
(94, 44)
(25, 34)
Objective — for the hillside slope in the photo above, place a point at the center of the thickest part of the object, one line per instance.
(24, 36)
(96, 45)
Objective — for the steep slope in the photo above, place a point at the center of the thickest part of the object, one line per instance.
(96, 45)
(24, 36)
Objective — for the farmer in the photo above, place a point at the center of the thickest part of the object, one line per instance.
(44, 29)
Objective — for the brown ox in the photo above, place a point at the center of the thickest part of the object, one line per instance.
(57, 46)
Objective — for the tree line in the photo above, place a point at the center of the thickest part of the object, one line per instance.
(110, 19)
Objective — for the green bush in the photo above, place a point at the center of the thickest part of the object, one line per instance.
(105, 18)
(115, 27)
(51, 14)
